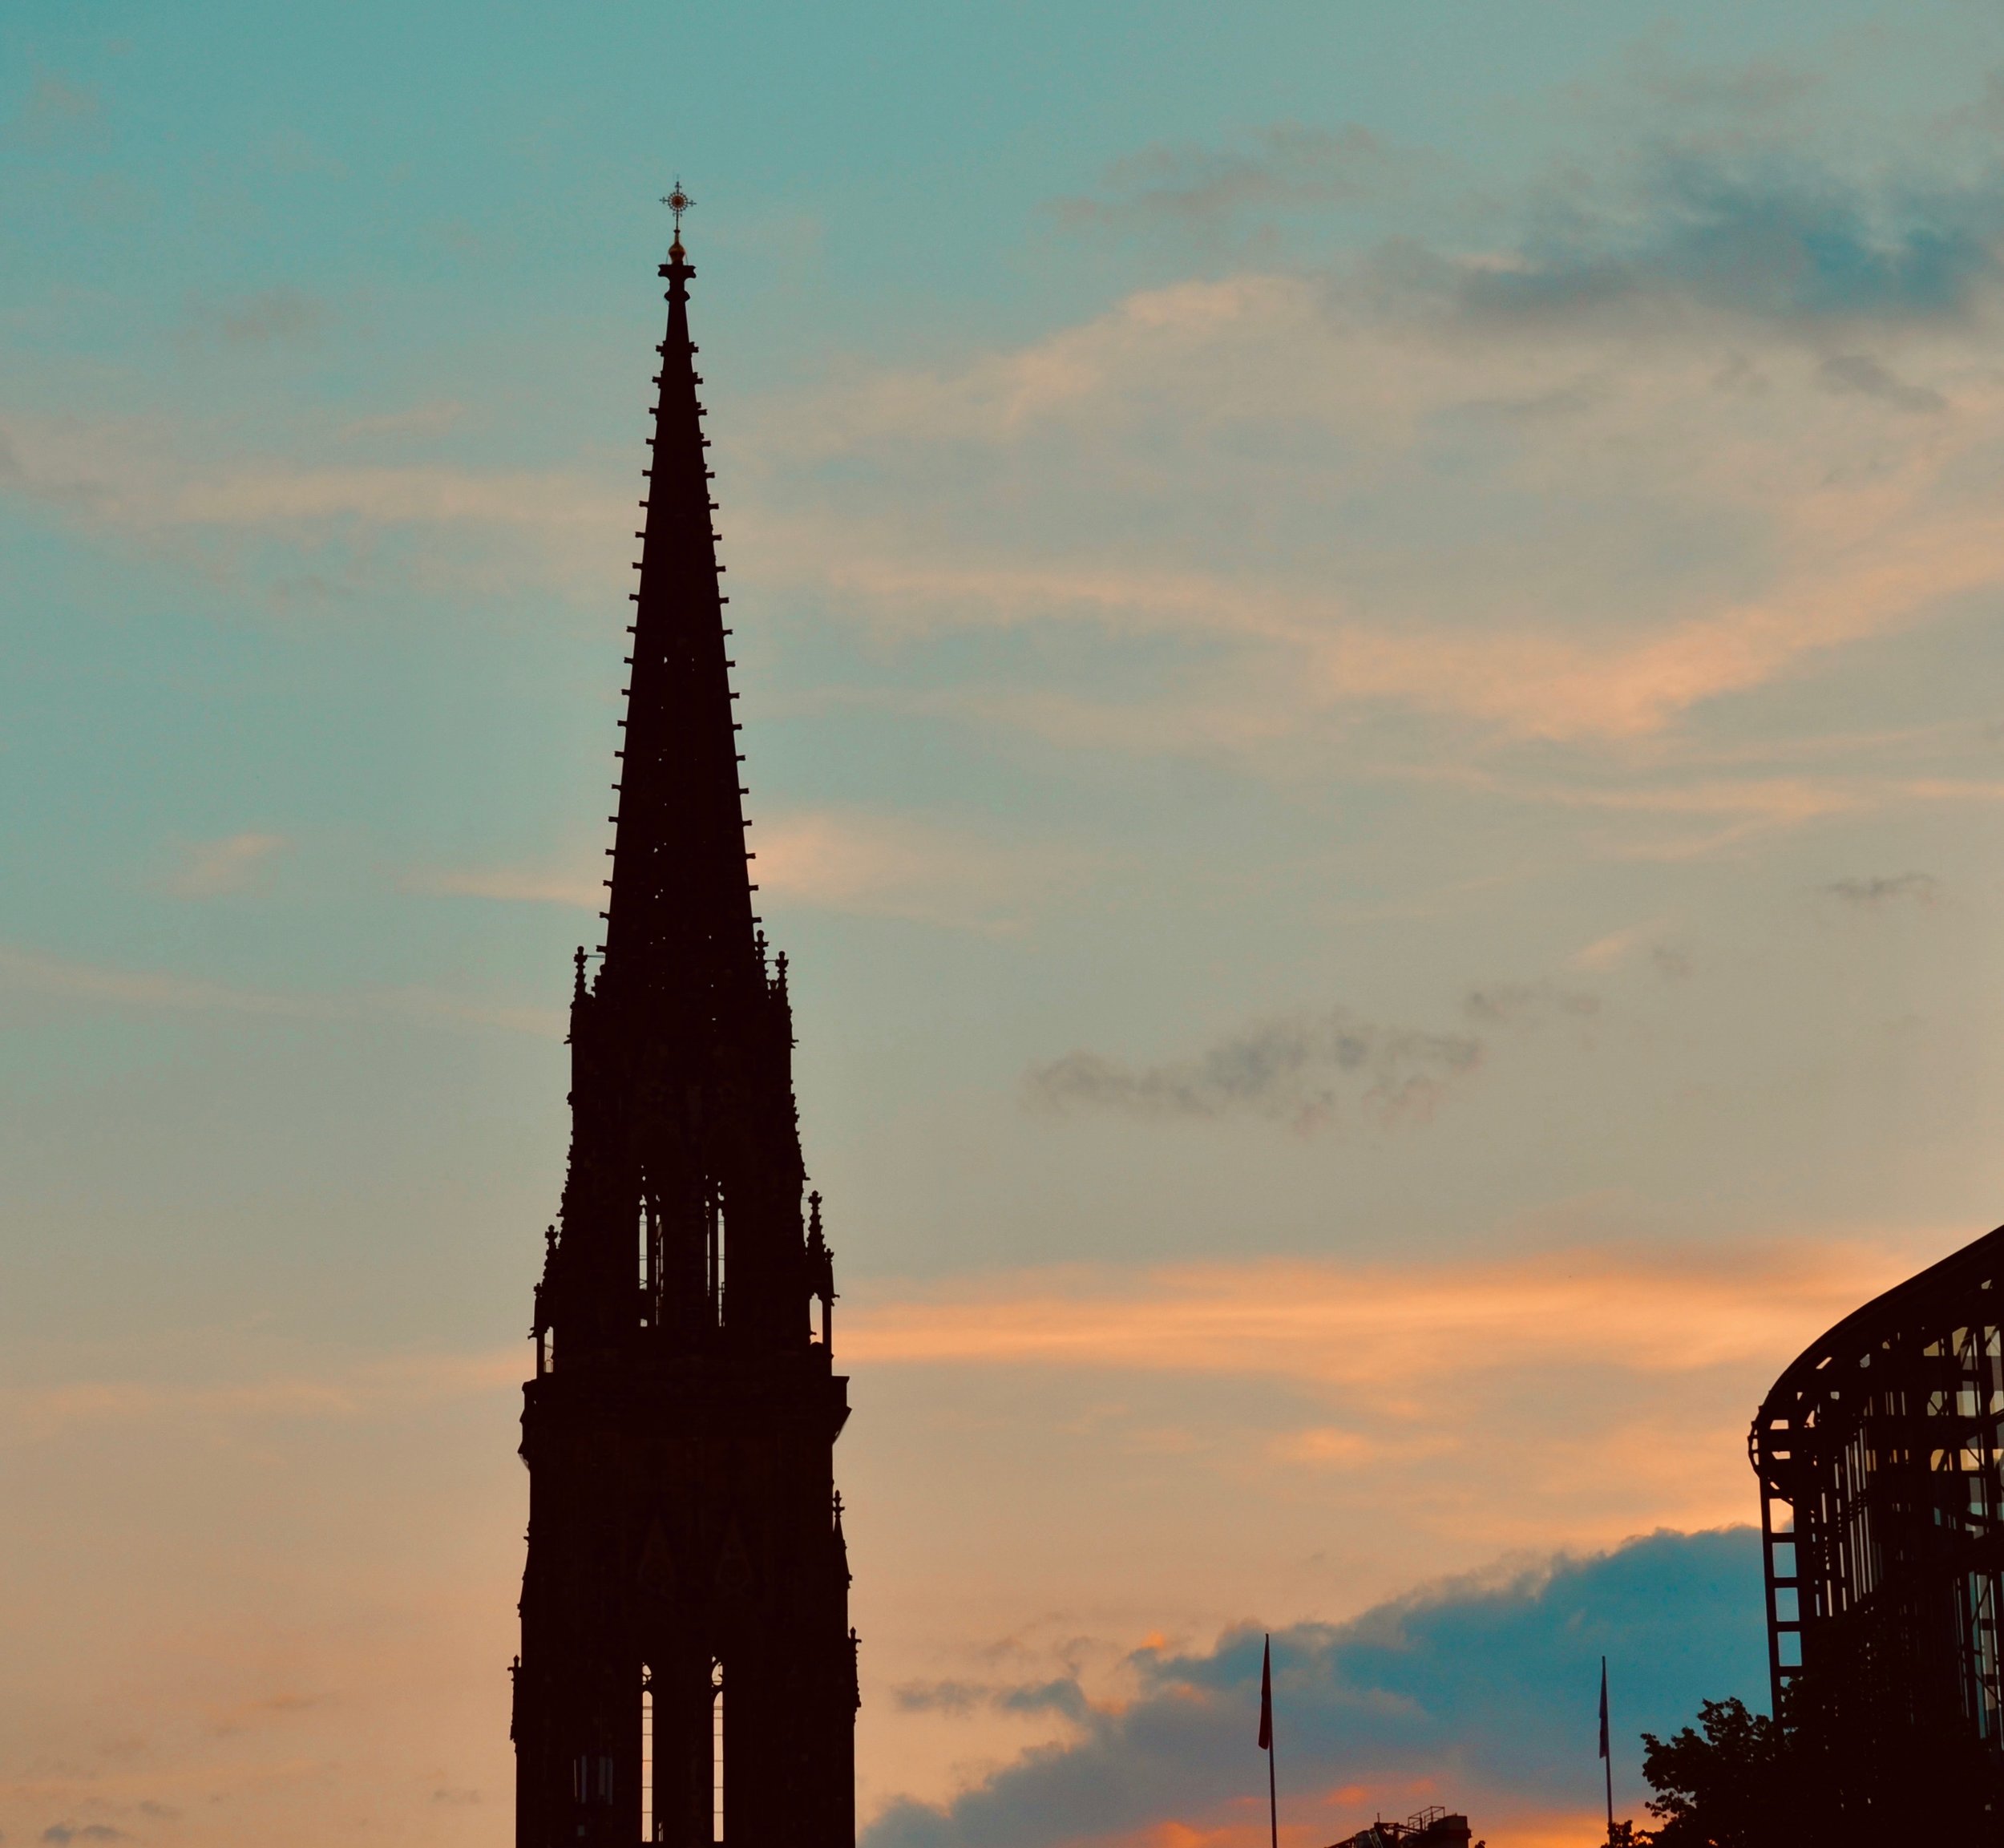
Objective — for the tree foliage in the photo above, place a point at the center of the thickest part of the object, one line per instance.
(1845, 1780)
(1719, 1786)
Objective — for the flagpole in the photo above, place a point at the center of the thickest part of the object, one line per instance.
(1266, 1739)
(1607, 1754)
(1273, 1802)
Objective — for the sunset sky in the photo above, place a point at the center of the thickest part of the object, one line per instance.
(1369, 648)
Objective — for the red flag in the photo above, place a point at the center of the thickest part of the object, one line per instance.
(1267, 1698)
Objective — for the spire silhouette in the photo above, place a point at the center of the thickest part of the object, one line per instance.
(679, 1429)
(679, 922)
(683, 1124)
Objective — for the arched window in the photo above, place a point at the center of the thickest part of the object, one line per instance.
(651, 1829)
(715, 1256)
(717, 1752)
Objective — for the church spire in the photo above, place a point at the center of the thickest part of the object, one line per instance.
(680, 924)
(680, 1427)
(684, 1136)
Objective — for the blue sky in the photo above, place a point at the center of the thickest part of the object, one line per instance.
(1369, 642)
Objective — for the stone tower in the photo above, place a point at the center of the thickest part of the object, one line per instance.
(688, 1674)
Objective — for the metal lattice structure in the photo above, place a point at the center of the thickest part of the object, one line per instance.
(1882, 1513)
(1432, 1827)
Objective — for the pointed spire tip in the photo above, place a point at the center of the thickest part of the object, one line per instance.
(677, 201)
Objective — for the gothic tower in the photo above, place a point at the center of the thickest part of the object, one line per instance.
(688, 1674)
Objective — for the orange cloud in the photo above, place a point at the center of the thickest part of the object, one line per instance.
(358, 1390)
(1373, 1325)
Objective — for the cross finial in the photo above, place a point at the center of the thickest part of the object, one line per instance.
(677, 201)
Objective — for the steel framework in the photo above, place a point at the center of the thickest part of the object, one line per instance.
(1882, 1513)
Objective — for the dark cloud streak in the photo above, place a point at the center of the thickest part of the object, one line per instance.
(1742, 220)
(275, 314)
(1527, 1004)
(1287, 164)
(1305, 1069)
(1860, 373)
(1922, 888)
(1063, 1696)
(1753, 236)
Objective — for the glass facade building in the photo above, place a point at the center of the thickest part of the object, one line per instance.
(1882, 1500)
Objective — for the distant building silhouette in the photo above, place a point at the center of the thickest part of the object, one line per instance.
(688, 1674)
(1433, 1827)
(1882, 1524)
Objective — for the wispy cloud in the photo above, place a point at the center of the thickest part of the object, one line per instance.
(1527, 1004)
(508, 884)
(456, 1009)
(1065, 1696)
(435, 495)
(211, 868)
(1651, 818)
(433, 418)
(54, 107)
(910, 866)
(271, 316)
(1309, 1070)
(1860, 372)
(1675, 422)
(871, 863)
(36, 973)
(1616, 948)
(1373, 1325)
(1791, 248)
(1919, 888)
(1821, 525)
(1673, 409)
(1187, 186)
(192, 494)
(340, 1391)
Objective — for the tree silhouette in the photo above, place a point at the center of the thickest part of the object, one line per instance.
(1833, 1774)
(1720, 1787)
